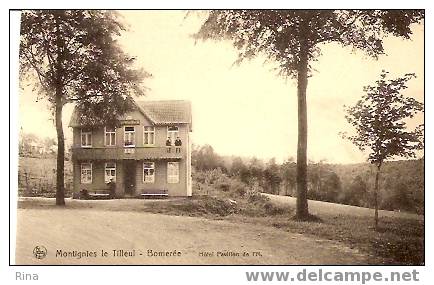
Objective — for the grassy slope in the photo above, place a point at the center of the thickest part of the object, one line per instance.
(399, 241)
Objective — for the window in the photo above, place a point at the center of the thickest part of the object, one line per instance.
(86, 173)
(172, 133)
(172, 172)
(86, 138)
(129, 136)
(148, 135)
(148, 172)
(110, 172)
(110, 136)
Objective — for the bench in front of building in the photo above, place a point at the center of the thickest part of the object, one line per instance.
(95, 194)
(155, 193)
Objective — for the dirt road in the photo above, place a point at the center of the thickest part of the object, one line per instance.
(191, 240)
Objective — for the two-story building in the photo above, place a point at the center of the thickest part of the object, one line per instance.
(149, 151)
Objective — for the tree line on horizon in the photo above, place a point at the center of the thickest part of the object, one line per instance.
(401, 185)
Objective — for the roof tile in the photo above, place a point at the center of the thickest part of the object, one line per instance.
(163, 112)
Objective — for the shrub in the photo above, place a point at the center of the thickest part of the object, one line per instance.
(256, 197)
(219, 206)
(211, 176)
(272, 210)
(223, 183)
(208, 205)
(238, 188)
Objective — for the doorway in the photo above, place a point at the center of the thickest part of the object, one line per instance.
(130, 177)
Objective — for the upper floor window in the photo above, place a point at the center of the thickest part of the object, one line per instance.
(86, 138)
(148, 172)
(172, 134)
(110, 172)
(129, 136)
(86, 173)
(110, 136)
(173, 172)
(148, 135)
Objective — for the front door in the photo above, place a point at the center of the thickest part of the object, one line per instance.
(130, 177)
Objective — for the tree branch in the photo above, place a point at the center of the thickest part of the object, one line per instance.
(345, 28)
(49, 56)
(38, 72)
(85, 97)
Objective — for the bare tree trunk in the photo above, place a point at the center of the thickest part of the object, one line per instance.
(377, 177)
(60, 178)
(302, 211)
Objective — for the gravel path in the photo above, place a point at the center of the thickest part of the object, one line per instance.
(198, 240)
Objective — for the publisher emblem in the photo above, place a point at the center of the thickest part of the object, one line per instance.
(39, 252)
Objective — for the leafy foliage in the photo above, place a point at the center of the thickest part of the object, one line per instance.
(357, 193)
(379, 120)
(272, 176)
(281, 35)
(75, 55)
(239, 169)
(288, 171)
(204, 158)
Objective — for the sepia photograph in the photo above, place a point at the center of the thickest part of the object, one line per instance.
(220, 137)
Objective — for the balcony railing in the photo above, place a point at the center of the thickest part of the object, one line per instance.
(137, 153)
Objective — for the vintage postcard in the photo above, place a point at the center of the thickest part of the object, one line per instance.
(221, 137)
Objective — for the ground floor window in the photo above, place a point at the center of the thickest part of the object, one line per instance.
(86, 173)
(148, 172)
(173, 172)
(110, 172)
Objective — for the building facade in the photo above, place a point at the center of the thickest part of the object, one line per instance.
(150, 151)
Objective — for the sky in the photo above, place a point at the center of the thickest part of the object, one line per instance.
(248, 110)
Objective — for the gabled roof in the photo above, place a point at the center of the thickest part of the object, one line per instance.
(165, 112)
(75, 119)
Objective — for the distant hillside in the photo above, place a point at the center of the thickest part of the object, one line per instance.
(401, 182)
(410, 172)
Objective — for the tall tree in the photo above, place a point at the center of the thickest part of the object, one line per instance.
(356, 192)
(379, 119)
(256, 171)
(204, 158)
(272, 178)
(74, 56)
(288, 170)
(239, 169)
(293, 39)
